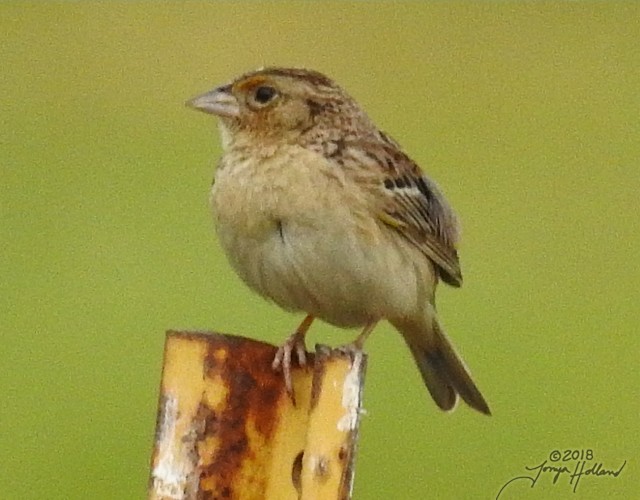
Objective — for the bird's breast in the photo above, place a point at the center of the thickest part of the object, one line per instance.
(300, 234)
(251, 194)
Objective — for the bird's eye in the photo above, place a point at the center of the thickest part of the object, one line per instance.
(264, 94)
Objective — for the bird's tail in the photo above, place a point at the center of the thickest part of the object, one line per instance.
(443, 371)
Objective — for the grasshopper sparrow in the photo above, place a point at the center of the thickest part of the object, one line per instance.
(321, 212)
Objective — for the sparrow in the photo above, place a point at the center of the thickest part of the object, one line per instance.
(321, 212)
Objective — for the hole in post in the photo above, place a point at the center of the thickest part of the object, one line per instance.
(296, 472)
(342, 454)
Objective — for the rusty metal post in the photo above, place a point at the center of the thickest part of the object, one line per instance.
(226, 427)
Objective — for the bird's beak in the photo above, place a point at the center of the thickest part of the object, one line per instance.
(220, 101)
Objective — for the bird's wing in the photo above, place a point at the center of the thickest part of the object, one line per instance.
(414, 207)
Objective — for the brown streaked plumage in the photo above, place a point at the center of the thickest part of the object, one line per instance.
(322, 213)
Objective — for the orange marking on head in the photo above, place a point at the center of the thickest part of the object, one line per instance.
(251, 82)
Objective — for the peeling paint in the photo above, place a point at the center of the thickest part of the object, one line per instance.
(173, 472)
(351, 395)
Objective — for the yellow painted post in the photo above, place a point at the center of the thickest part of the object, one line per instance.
(226, 428)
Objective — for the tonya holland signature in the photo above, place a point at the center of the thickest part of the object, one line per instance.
(556, 471)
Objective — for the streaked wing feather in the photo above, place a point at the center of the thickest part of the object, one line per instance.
(417, 210)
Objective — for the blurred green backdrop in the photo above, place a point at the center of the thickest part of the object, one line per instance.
(528, 115)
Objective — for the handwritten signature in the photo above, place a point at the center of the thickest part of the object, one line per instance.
(582, 468)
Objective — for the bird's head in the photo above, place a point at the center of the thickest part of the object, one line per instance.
(281, 104)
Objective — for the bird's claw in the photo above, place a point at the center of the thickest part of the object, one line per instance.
(282, 361)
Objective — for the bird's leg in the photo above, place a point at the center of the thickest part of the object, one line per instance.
(358, 343)
(295, 343)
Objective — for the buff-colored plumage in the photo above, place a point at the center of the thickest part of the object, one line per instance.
(320, 212)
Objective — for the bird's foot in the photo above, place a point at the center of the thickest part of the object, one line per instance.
(294, 347)
(351, 350)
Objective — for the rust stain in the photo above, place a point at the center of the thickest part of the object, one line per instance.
(252, 396)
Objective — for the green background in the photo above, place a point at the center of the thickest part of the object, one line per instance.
(528, 116)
